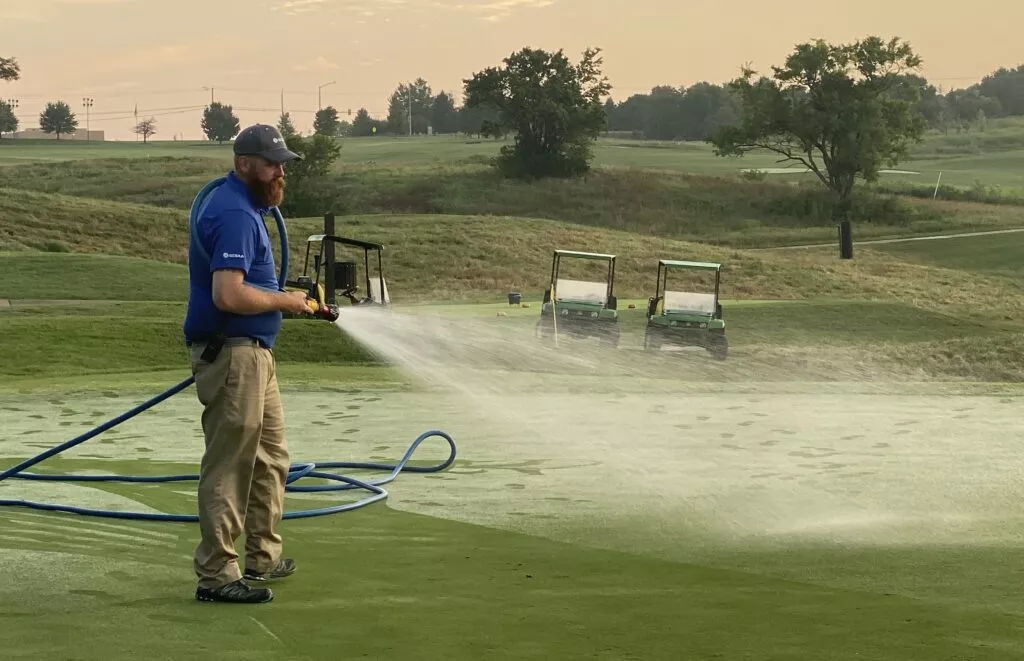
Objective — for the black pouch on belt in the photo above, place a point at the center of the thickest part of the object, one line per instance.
(213, 348)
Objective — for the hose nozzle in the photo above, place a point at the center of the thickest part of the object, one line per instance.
(325, 311)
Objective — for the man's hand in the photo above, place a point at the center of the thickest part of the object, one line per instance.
(295, 302)
(231, 294)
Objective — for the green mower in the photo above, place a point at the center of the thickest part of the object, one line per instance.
(580, 309)
(686, 318)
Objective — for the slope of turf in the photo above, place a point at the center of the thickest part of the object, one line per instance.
(64, 276)
(65, 223)
(996, 253)
(724, 210)
(435, 257)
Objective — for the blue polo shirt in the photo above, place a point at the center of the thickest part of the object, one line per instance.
(232, 233)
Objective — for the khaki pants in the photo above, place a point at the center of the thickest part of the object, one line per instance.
(245, 465)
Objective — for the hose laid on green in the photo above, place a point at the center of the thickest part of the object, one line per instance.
(295, 472)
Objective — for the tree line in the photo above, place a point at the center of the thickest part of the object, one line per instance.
(699, 112)
(694, 113)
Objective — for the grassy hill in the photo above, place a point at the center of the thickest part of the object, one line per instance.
(446, 257)
(116, 228)
(709, 209)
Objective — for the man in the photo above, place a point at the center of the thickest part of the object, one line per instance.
(234, 315)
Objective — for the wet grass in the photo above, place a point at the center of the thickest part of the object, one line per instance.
(382, 584)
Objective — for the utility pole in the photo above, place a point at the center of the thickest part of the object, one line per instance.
(319, 95)
(410, 109)
(87, 103)
(211, 94)
(282, 102)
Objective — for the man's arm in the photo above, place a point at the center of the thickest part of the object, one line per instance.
(231, 294)
(235, 244)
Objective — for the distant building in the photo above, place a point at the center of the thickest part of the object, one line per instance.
(37, 134)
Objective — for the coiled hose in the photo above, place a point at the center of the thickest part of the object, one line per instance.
(295, 472)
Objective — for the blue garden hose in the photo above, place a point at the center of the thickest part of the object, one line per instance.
(295, 472)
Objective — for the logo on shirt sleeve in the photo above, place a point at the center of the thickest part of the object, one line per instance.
(230, 255)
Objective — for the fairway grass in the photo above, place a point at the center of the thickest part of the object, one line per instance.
(388, 585)
(991, 159)
(996, 254)
(779, 308)
(540, 546)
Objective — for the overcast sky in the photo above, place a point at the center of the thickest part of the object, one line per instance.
(160, 54)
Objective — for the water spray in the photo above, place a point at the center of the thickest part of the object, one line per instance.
(319, 307)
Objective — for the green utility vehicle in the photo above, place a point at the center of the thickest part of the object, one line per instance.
(580, 309)
(683, 317)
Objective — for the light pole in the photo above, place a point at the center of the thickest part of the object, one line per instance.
(87, 102)
(319, 95)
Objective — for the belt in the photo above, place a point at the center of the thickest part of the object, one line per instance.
(232, 342)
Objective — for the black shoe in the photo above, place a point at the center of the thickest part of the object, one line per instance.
(238, 592)
(283, 568)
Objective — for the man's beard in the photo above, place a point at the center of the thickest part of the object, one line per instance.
(267, 194)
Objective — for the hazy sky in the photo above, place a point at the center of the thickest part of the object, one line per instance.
(160, 54)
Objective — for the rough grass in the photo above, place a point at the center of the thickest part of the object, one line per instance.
(712, 209)
(64, 223)
(435, 257)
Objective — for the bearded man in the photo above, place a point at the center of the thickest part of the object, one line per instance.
(234, 314)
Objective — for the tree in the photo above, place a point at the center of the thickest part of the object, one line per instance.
(219, 122)
(706, 108)
(8, 120)
(364, 125)
(326, 121)
(965, 105)
(664, 114)
(422, 101)
(555, 109)
(145, 128)
(319, 153)
(1006, 86)
(473, 120)
(444, 118)
(842, 111)
(285, 126)
(9, 69)
(58, 118)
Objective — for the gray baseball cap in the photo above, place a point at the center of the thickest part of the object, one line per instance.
(266, 141)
